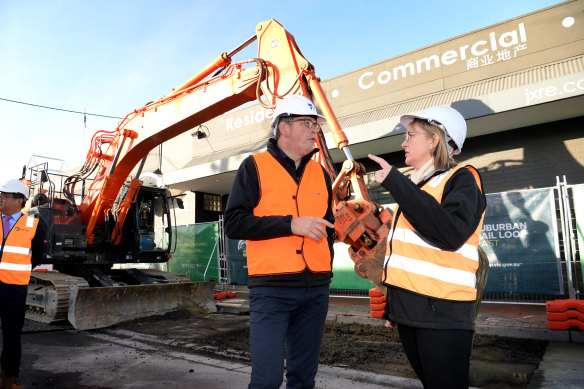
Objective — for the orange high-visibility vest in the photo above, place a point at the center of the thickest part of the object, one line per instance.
(417, 265)
(15, 252)
(280, 195)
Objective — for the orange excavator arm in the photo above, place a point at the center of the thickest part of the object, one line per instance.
(279, 70)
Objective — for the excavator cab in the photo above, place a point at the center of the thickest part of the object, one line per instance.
(148, 227)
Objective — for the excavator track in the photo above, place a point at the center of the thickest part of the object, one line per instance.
(48, 296)
(55, 297)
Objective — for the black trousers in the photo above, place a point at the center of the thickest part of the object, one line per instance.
(12, 309)
(440, 358)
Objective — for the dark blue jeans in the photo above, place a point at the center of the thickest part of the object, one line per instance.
(286, 321)
(12, 309)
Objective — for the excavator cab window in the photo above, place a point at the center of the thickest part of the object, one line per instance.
(152, 221)
(146, 225)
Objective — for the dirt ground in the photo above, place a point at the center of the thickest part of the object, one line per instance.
(496, 363)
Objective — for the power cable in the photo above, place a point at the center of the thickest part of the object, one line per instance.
(60, 109)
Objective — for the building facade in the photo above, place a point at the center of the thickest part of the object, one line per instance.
(518, 83)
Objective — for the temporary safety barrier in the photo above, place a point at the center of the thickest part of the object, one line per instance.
(530, 239)
(533, 239)
(377, 302)
(565, 314)
(196, 253)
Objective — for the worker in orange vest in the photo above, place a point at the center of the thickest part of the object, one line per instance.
(22, 248)
(281, 203)
(432, 254)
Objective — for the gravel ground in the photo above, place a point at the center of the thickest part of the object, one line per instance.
(496, 362)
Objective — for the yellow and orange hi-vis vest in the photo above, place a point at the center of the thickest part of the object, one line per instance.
(280, 195)
(15, 252)
(417, 265)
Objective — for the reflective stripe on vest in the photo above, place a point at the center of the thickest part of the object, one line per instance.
(15, 266)
(417, 265)
(280, 195)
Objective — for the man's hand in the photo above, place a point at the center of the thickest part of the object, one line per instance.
(385, 168)
(310, 226)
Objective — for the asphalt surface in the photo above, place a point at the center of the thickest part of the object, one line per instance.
(62, 357)
(115, 359)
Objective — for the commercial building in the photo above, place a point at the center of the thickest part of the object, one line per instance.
(519, 84)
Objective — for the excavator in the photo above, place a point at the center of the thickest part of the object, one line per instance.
(103, 215)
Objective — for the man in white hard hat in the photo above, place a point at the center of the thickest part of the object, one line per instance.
(22, 247)
(281, 203)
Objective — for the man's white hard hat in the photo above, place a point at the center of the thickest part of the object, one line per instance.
(446, 118)
(15, 186)
(297, 105)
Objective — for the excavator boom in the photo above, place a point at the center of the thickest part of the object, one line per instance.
(113, 223)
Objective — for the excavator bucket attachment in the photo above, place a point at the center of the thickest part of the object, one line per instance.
(370, 266)
(91, 308)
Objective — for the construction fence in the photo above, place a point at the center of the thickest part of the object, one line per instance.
(533, 239)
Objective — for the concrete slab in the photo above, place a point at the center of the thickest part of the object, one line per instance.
(561, 367)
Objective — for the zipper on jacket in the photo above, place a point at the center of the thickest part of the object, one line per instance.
(298, 213)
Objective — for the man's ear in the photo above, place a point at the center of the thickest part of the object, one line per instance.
(283, 128)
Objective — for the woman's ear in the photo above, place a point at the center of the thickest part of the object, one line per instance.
(435, 141)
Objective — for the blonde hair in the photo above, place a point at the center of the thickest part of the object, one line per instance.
(442, 160)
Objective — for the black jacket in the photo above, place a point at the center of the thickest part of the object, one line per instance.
(241, 223)
(447, 225)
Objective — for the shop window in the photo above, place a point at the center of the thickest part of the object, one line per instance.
(212, 202)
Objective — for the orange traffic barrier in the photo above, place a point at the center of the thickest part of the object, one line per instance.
(374, 292)
(222, 295)
(377, 302)
(564, 305)
(565, 314)
(378, 307)
(565, 325)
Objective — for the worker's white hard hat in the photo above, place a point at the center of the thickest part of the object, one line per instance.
(446, 118)
(297, 105)
(15, 186)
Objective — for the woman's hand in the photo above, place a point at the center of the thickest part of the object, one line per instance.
(390, 324)
(385, 168)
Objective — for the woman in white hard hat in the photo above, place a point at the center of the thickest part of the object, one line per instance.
(432, 251)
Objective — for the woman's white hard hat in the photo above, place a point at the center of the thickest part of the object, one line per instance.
(297, 105)
(446, 118)
(15, 186)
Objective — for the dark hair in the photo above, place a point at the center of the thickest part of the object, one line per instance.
(20, 196)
